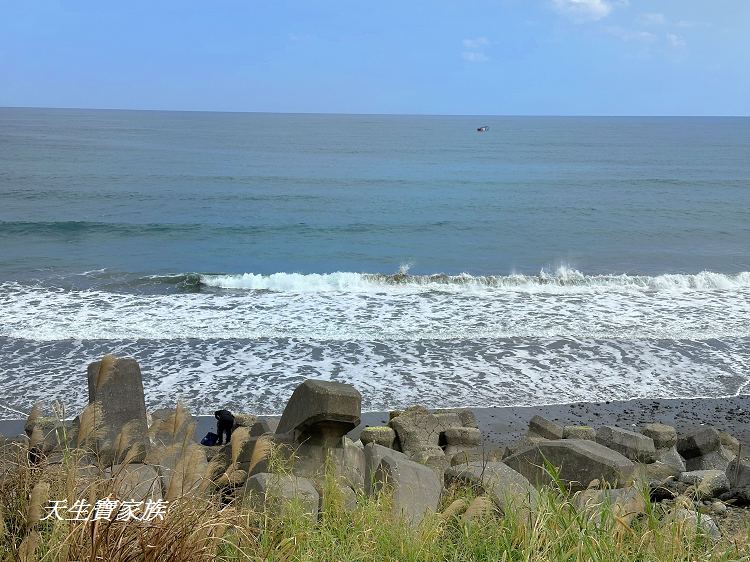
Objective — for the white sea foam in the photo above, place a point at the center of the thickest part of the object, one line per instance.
(438, 340)
(688, 309)
(563, 280)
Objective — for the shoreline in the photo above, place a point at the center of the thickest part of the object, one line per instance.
(502, 425)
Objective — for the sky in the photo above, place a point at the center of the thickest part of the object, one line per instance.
(461, 57)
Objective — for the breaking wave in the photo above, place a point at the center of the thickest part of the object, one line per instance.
(564, 279)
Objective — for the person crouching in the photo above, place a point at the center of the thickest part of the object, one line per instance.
(224, 425)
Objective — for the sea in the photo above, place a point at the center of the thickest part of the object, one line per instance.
(546, 260)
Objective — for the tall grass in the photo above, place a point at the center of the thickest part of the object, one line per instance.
(207, 527)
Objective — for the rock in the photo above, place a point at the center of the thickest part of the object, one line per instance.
(381, 435)
(507, 488)
(347, 461)
(478, 454)
(321, 412)
(738, 472)
(266, 489)
(699, 442)
(719, 507)
(116, 393)
(731, 443)
(138, 482)
(545, 428)
(626, 503)
(466, 415)
(738, 496)
(523, 443)
(715, 460)
(349, 464)
(671, 458)
(172, 426)
(241, 447)
(579, 432)
(654, 472)
(264, 426)
(244, 420)
(667, 489)
(455, 508)
(434, 458)
(480, 506)
(579, 462)
(448, 419)
(415, 488)
(694, 522)
(633, 445)
(663, 436)
(375, 453)
(417, 431)
(461, 437)
(709, 483)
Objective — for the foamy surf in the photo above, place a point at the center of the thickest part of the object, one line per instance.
(246, 340)
(561, 280)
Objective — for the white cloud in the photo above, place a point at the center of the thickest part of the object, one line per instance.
(586, 10)
(473, 56)
(652, 19)
(476, 43)
(631, 35)
(676, 41)
(474, 49)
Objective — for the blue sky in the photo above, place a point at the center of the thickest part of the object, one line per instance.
(506, 57)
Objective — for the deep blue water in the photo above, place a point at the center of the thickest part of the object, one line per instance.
(603, 257)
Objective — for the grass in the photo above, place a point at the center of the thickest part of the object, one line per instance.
(209, 528)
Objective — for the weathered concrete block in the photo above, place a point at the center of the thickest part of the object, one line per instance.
(699, 442)
(671, 457)
(507, 488)
(264, 426)
(739, 476)
(467, 416)
(172, 426)
(321, 411)
(545, 428)
(115, 384)
(478, 454)
(417, 431)
(663, 436)
(382, 435)
(579, 462)
(448, 420)
(633, 445)
(416, 488)
(264, 489)
(708, 483)
(696, 523)
(730, 442)
(137, 482)
(715, 460)
(374, 453)
(462, 437)
(579, 432)
(626, 503)
(181, 468)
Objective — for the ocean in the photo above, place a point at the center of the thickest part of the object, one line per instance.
(547, 260)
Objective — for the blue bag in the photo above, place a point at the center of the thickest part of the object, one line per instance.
(210, 439)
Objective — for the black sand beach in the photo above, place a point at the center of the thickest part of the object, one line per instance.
(502, 426)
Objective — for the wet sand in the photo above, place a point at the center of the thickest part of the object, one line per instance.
(502, 425)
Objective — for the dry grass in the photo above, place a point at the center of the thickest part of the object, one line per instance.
(206, 527)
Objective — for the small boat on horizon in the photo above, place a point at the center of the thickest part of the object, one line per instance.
(483, 128)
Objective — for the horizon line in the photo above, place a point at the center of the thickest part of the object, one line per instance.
(381, 114)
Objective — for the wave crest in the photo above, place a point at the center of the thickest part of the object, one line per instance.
(564, 279)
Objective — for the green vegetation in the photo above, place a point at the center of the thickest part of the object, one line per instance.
(204, 528)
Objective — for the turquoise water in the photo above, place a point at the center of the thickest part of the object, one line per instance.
(546, 260)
